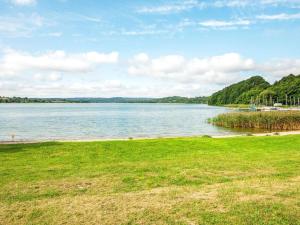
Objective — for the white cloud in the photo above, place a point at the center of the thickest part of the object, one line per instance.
(186, 5)
(215, 70)
(44, 74)
(90, 19)
(96, 87)
(230, 4)
(141, 58)
(280, 2)
(54, 76)
(142, 32)
(280, 67)
(174, 7)
(44, 87)
(182, 6)
(246, 3)
(221, 23)
(23, 2)
(54, 34)
(221, 69)
(254, 3)
(282, 16)
(103, 88)
(14, 62)
(20, 25)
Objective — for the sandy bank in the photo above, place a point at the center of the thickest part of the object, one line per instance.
(284, 133)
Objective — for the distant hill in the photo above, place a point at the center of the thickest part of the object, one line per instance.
(259, 91)
(239, 93)
(178, 99)
(173, 99)
(108, 100)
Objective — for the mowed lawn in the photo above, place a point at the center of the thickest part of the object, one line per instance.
(242, 180)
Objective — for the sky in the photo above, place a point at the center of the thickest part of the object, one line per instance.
(143, 48)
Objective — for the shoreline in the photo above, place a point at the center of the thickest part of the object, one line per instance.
(282, 133)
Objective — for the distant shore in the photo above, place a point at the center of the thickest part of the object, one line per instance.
(170, 99)
(283, 133)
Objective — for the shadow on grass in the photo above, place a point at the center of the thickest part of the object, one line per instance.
(14, 148)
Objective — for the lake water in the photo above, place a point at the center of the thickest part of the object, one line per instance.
(96, 121)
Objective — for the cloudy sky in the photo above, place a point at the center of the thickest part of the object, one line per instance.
(153, 48)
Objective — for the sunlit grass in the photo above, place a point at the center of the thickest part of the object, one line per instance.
(243, 180)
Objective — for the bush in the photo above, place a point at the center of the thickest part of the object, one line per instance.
(207, 136)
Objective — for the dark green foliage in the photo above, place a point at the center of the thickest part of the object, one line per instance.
(287, 90)
(257, 90)
(240, 93)
(207, 136)
(178, 99)
(245, 98)
(31, 100)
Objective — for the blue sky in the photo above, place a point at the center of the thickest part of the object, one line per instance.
(64, 48)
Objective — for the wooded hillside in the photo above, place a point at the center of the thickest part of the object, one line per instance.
(257, 90)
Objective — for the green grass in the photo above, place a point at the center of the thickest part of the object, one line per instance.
(243, 180)
(237, 105)
(274, 120)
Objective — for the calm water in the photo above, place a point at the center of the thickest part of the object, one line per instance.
(95, 121)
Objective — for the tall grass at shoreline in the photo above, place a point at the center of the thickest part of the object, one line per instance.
(275, 120)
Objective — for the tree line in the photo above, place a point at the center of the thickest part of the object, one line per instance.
(173, 99)
(256, 90)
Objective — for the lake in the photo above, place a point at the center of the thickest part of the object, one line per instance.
(101, 121)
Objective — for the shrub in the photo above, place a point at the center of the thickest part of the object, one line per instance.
(207, 136)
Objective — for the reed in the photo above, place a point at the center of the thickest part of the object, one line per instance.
(275, 120)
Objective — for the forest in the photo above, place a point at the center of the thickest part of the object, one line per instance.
(256, 90)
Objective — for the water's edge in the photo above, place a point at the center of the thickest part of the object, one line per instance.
(155, 138)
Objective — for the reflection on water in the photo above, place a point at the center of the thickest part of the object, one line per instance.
(95, 121)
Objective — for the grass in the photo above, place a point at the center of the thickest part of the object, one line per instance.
(242, 180)
(237, 106)
(274, 120)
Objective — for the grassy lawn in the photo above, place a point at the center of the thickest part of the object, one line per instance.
(242, 180)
